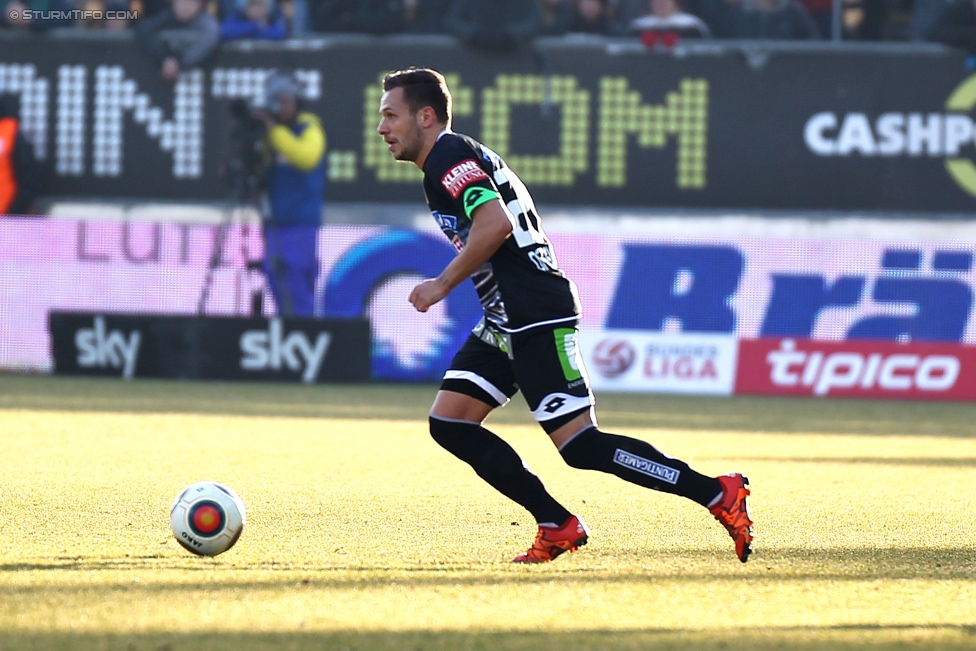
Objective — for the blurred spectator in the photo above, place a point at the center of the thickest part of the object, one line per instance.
(224, 8)
(180, 38)
(924, 15)
(713, 13)
(956, 26)
(592, 17)
(117, 24)
(666, 24)
(768, 19)
(296, 13)
(149, 8)
(624, 12)
(257, 19)
(360, 16)
(496, 26)
(14, 18)
(556, 16)
(874, 20)
(20, 174)
(424, 16)
(822, 13)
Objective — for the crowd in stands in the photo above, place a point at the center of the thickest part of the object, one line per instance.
(500, 25)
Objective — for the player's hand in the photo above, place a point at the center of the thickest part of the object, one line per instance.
(427, 293)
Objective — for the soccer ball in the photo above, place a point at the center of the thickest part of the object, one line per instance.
(207, 518)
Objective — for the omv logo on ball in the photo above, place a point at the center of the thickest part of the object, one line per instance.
(613, 357)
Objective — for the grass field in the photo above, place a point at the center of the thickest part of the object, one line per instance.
(363, 534)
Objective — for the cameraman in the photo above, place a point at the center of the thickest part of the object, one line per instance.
(294, 157)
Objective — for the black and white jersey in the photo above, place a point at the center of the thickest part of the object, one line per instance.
(521, 286)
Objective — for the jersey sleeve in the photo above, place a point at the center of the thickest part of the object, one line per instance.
(455, 170)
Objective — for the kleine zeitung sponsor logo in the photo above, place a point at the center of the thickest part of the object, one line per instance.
(458, 177)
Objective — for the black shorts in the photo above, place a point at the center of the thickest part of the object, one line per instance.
(544, 362)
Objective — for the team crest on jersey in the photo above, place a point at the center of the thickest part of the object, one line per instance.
(458, 177)
(446, 222)
(457, 243)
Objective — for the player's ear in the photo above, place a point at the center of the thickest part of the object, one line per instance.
(427, 117)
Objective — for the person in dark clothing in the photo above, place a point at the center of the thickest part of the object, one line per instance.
(768, 19)
(13, 16)
(358, 16)
(924, 15)
(498, 26)
(557, 15)
(592, 17)
(424, 16)
(956, 26)
(159, 37)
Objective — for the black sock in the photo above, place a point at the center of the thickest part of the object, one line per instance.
(498, 464)
(639, 463)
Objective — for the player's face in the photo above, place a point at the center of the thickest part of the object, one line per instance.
(399, 126)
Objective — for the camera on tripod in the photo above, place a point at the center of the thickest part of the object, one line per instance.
(243, 170)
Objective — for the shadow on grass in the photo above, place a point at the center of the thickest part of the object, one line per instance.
(641, 566)
(412, 402)
(804, 638)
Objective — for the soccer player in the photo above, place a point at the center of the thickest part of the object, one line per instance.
(528, 337)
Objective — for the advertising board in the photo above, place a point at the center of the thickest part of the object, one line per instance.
(636, 289)
(582, 124)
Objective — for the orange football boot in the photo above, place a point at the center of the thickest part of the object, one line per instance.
(732, 512)
(550, 542)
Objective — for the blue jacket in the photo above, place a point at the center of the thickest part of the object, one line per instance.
(238, 25)
(296, 175)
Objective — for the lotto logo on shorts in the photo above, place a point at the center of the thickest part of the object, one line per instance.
(458, 177)
(643, 466)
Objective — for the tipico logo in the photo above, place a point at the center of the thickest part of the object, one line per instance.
(933, 135)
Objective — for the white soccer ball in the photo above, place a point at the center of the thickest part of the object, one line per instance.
(207, 518)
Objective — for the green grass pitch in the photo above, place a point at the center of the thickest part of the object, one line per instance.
(363, 534)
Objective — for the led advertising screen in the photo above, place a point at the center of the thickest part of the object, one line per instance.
(748, 288)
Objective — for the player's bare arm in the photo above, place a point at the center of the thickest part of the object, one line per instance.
(489, 229)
